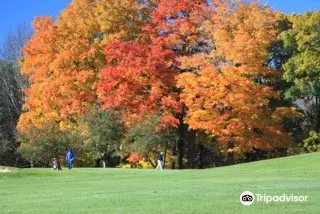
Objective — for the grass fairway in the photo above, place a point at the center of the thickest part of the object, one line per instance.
(172, 191)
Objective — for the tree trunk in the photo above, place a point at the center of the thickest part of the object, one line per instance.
(181, 131)
(191, 140)
(12, 98)
(174, 154)
(165, 154)
(201, 156)
(152, 164)
(180, 146)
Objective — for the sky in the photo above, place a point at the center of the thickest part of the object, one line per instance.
(14, 12)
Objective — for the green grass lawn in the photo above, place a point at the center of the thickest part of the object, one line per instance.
(217, 190)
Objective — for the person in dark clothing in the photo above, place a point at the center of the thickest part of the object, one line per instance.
(160, 162)
(69, 159)
(56, 164)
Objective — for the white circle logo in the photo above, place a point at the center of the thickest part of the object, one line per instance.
(247, 198)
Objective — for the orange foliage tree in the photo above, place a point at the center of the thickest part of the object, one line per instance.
(39, 52)
(140, 76)
(63, 59)
(197, 63)
(227, 96)
(138, 80)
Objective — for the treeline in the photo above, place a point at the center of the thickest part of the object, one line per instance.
(12, 84)
(207, 83)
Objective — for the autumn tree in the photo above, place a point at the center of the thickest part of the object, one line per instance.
(140, 76)
(180, 26)
(228, 96)
(64, 58)
(138, 81)
(39, 52)
(80, 50)
(200, 66)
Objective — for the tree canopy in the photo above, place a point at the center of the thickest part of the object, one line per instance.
(195, 66)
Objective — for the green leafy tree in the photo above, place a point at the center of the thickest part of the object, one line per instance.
(39, 146)
(145, 137)
(302, 70)
(105, 133)
(312, 143)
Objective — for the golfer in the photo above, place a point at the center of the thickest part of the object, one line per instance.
(69, 158)
(160, 162)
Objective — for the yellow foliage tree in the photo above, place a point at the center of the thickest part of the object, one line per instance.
(226, 96)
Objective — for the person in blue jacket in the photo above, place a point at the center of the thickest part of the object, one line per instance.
(69, 158)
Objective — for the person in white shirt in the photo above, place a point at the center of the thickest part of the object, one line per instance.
(160, 162)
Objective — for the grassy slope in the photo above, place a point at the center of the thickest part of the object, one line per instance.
(145, 191)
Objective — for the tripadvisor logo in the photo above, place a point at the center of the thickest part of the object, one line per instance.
(247, 198)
